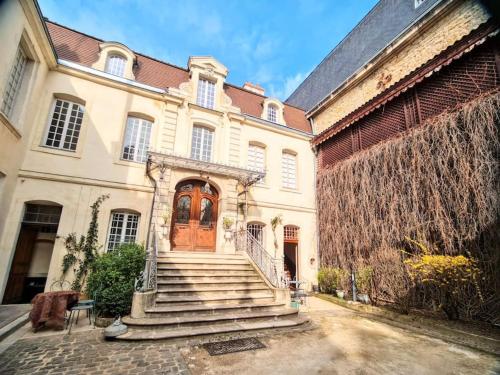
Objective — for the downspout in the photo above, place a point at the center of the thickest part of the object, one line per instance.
(155, 187)
(315, 167)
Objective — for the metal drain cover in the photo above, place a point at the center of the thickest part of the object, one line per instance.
(233, 346)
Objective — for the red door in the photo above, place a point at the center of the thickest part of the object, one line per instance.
(194, 220)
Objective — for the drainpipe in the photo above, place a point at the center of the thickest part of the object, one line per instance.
(353, 279)
(155, 187)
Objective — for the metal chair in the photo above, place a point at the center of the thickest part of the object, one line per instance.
(87, 305)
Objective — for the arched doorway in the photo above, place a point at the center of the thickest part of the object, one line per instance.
(33, 254)
(194, 219)
(291, 251)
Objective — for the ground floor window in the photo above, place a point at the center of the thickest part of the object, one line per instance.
(257, 231)
(122, 229)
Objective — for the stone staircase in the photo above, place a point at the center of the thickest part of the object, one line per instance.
(206, 293)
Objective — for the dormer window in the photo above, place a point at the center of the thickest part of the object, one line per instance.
(272, 113)
(116, 65)
(206, 93)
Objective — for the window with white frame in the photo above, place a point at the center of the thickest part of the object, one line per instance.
(122, 229)
(257, 231)
(14, 81)
(256, 158)
(116, 65)
(137, 138)
(272, 113)
(289, 170)
(65, 125)
(418, 3)
(201, 144)
(206, 93)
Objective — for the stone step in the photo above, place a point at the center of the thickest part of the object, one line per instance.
(209, 283)
(205, 266)
(207, 279)
(201, 261)
(206, 273)
(227, 298)
(202, 289)
(190, 310)
(198, 255)
(239, 326)
(202, 319)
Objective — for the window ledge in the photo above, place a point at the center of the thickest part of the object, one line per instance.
(209, 110)
(130, 163)
(288, 190)
(5, 120)
(57, 151)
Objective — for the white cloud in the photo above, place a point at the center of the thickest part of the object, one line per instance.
(287, 86)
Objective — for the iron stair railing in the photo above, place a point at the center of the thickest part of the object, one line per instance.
(272, 268)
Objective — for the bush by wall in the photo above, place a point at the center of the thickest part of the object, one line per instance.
(111, 279)
(439, 184)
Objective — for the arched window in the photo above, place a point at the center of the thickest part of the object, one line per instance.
(116, 65)
(122, 228)
(65, 124)
(201, 143)
(137, 138)
(257, 231)
(272, 113)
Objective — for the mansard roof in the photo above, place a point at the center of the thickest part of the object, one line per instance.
(384, 23)
(83, 49)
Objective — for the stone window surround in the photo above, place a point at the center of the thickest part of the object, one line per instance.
(109, 49)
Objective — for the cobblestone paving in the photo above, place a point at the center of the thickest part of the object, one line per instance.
(88, 353)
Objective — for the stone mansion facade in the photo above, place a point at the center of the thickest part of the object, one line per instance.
(83, 117)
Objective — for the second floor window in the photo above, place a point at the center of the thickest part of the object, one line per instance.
(65, 125)
(14, 82)
(201, 144)
(272, 113)
(137, 137)
(256, 158)
(289, 170)
(206, 93)
(122, 229)
(116, 65)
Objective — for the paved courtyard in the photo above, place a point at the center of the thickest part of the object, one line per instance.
(341, 342)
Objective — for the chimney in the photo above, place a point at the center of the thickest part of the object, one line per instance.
(254, 88)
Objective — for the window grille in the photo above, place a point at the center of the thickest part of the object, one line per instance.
(291, 233)
(206, 93)
(257, 231)
(65, 124)
(14, 82)
(201, 145)
(289, 170)
(116, 65)
(122, 229)
(272, 113)
(137, 138)
(41, 214)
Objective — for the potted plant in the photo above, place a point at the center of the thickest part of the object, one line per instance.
(227, 224)
(363, 284)
(166, 217)
(340, 276)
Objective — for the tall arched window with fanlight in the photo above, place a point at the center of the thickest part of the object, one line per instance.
(115, 64)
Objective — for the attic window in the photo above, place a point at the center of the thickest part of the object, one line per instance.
(116, 65)
(272, 113)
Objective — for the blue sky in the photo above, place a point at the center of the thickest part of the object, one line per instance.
(273, 43)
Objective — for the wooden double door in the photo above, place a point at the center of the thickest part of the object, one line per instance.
(194, 219)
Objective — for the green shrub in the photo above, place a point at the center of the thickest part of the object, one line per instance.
(112, 277)
(331, 279)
